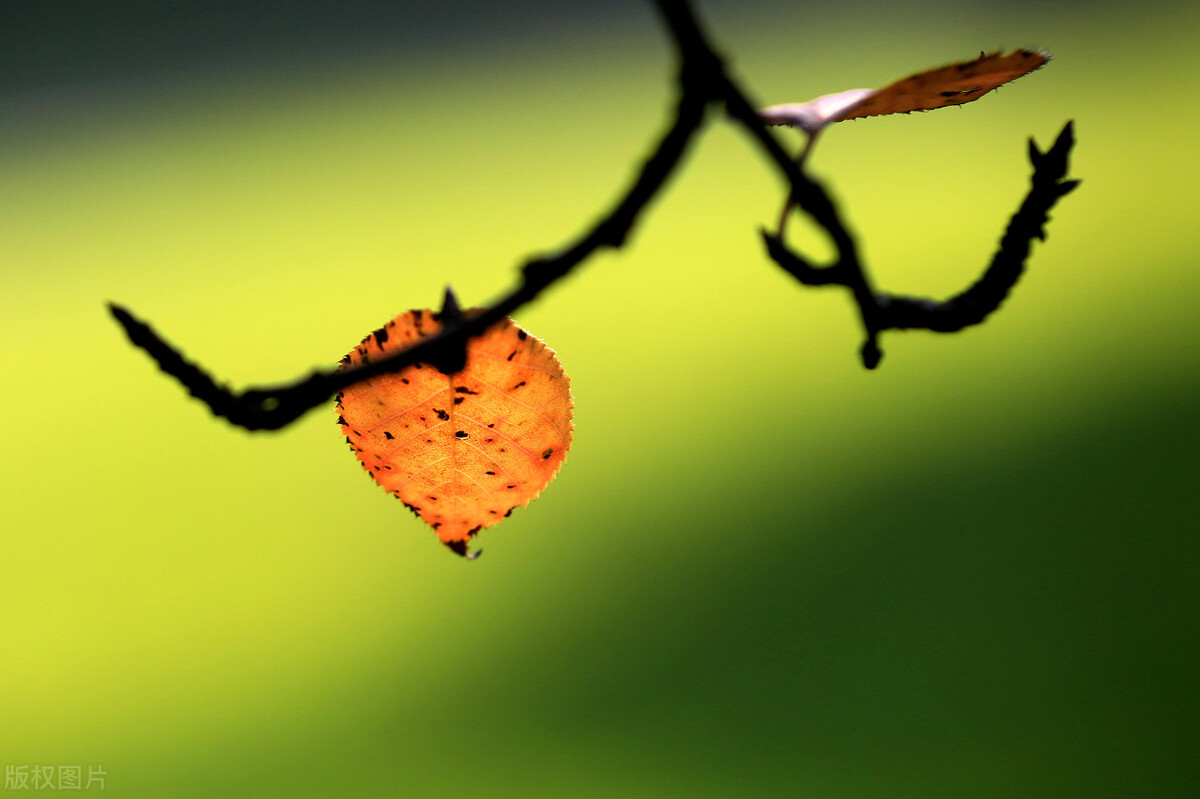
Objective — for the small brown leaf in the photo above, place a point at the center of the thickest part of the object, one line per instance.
(953, 84)
(462, 451)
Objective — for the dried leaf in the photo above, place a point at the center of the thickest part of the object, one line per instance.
(953, 84)
(815, 114)
(461, 451)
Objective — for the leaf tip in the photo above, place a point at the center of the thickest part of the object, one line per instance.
(460, 548)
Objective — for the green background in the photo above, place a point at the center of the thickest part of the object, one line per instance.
(763, 571)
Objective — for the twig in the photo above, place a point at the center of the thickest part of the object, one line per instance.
(972, 306)
(273, 407)
(703, 79)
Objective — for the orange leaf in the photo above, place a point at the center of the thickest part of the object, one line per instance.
(461, 451)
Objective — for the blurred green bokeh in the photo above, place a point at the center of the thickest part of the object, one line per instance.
(762, 571)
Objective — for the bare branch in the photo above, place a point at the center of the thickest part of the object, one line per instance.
(974, 304)
(703, 79)
(272, 407)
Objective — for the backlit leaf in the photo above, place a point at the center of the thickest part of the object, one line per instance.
(461, 451)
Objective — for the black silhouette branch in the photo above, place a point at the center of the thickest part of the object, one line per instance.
(887, 311)
(273, 407)
(703, 81)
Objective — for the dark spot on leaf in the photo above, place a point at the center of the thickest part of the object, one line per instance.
(521, 334)
(475, 529)
(510, 355)
(404, 380)
(388, 435)
(381, 337)
(461, 434)
(342, 420)
(458, 400)
(547, 453)
(489, 472)
(465, 390)
(493, 424)
(512, 486)
(441, 414)
(509, 511)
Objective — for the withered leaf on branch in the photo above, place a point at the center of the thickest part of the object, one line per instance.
(953, 84)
